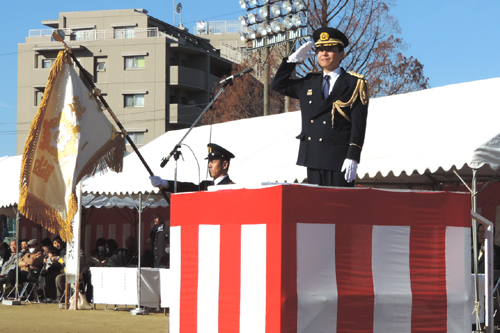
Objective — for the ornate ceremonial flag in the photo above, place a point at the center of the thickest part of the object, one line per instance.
(70, 137)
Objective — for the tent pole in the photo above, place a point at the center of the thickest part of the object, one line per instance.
(474, 243)
(17, 258)
(139, 310)
(488, 259)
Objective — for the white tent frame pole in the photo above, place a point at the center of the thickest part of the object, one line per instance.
(139, 253)
(76, 235)
(474, 245)
(139, 310)
(18, 246)
(488, 257)
(488, 270)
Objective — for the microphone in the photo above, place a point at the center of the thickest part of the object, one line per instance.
(165, 160)
(243, 72)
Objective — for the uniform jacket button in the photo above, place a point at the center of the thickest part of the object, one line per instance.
(309, 138)
(324, 122)
(320, 139)
(310, 102)
(312, 121)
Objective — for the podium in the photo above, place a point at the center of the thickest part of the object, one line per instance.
(294, 258)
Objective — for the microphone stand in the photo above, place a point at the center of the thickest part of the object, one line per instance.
(175, 151)
(176, 158)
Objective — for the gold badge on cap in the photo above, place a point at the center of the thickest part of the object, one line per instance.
(209, 150)
(324, 36)
(309, 92)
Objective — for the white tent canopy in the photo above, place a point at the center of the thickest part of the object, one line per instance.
(129, 201)
(413, 138)
(10, 170)
(429, 133)
(265, 150)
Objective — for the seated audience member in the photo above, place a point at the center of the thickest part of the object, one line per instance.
(148, 258)
(97, 258)
(116, 257)
(60, 246)
(99, 252)
(33, 259)
(51, 270)
(9, 264)
(24, 245)
(130, 244)
(4, 251)
(61, 278)
(480, 252)
(46, 245)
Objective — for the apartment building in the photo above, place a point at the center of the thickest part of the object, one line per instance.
(224, 36)
(154, 76)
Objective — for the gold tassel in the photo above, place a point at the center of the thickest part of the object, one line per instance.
(361, 90)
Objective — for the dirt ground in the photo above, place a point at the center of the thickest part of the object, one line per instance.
(49, 318)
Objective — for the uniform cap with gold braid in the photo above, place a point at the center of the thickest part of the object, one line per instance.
(329, 37)
(216, 151)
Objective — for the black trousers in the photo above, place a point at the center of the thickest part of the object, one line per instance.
(327, 178)
(50, 284)
(11, 277)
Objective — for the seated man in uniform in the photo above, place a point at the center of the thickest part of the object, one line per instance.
(218, 166)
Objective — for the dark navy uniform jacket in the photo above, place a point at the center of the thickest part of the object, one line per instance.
(321, 146)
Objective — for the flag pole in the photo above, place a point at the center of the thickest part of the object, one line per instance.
(58, 35)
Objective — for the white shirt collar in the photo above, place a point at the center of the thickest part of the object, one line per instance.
(218, 180)
(333, 74)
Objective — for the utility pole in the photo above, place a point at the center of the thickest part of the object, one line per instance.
(266, 81)
(287, 99)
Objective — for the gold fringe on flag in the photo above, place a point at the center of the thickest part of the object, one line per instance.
(54, 216)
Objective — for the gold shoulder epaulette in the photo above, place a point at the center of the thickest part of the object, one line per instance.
(361, 76)
(361, 90)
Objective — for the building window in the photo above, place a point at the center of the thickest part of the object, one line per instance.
(122, 33)
(47, 63)
(101, 67)
(101, 104)
(134, 100)
(84, 34)
(9, 227)
(134, 62)
(137, 137)
(39, 95)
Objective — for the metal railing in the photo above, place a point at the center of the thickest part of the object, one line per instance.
(46, 32)
(93, 34)
(217, 27)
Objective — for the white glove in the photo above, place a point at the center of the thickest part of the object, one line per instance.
(156, 181)
(302, 53)
(350, 167)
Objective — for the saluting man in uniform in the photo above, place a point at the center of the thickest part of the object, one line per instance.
(218, 164)
(334, 106)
